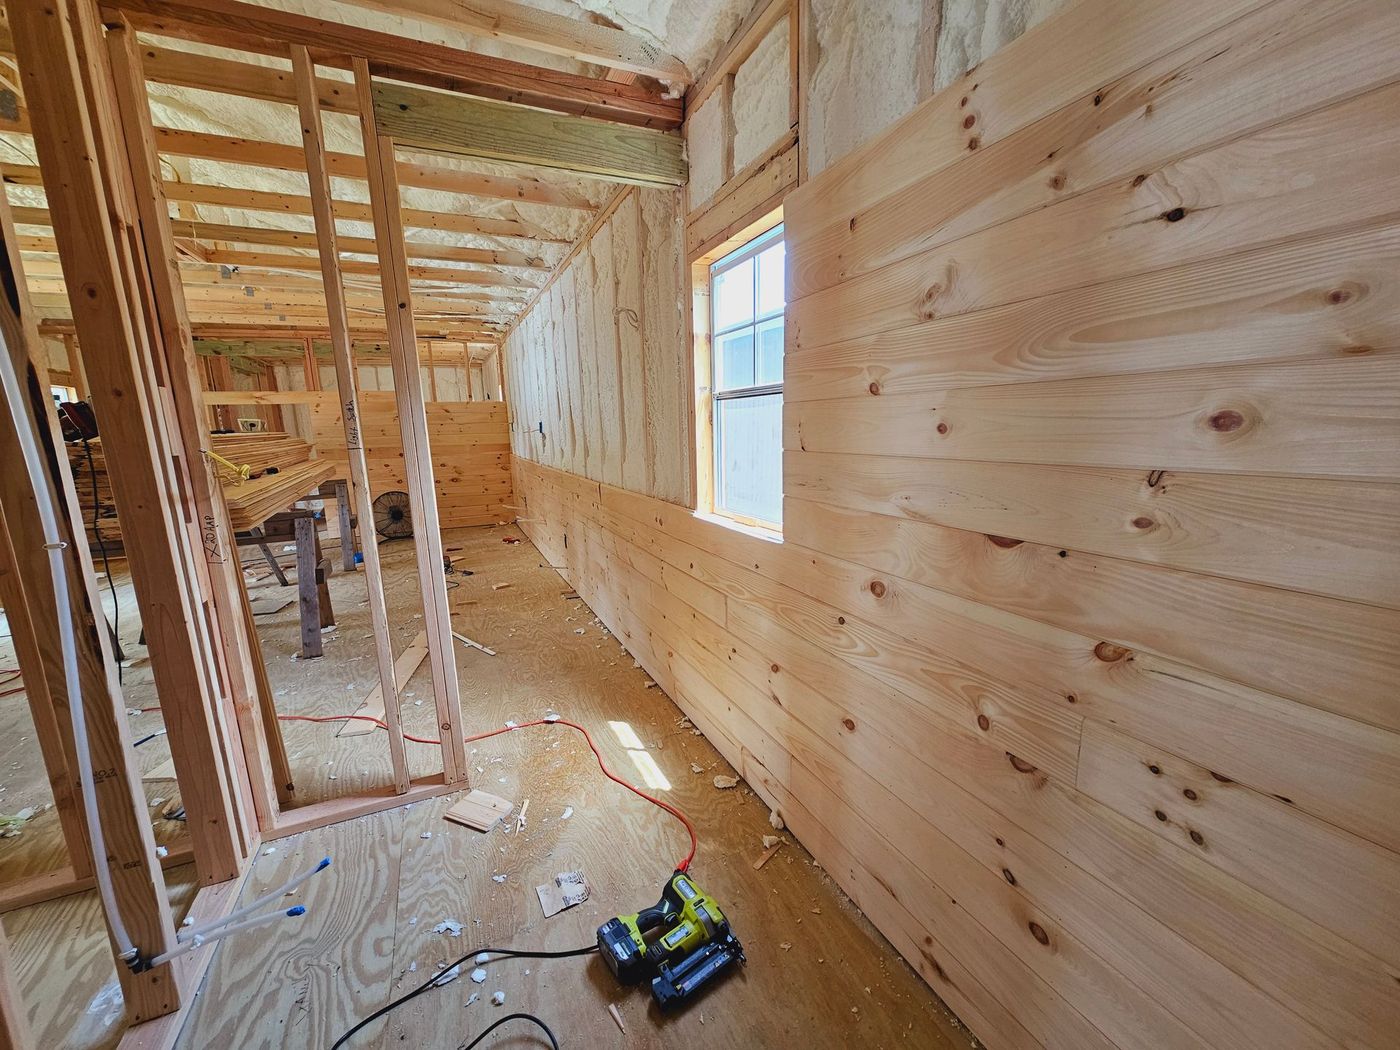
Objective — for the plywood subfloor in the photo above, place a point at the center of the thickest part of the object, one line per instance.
(817, 975)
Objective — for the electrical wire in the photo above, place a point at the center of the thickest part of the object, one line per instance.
(435, 981)
(102, 547)
(684, 865)
(513, 1017)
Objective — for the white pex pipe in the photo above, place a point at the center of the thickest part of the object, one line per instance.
(191, 933)
(58, 567)
(227, 931)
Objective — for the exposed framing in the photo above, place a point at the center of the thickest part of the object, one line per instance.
(314, 142)
(112, 233)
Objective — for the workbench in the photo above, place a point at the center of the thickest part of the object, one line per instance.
(261, 510)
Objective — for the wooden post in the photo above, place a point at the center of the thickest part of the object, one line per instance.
(44, 685)
(413, 423)
(347, 531)
(14, 1025)
(307, 604)
(304, 73)
(432, 374)
(75, 365)
(108, 319)
(121, 118)
(47, 695)
(276, 746)
(313, 372)
(221, 378)
(121, 800)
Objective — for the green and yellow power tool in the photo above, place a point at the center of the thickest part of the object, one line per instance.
(680, 942)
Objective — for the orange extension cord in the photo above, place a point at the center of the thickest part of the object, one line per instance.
(684, 865)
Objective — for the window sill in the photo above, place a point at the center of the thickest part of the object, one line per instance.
(757, 531)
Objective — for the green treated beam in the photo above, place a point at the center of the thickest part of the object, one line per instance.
(469, 127)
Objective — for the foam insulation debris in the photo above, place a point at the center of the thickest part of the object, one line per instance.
(447, 976)
(724, 783)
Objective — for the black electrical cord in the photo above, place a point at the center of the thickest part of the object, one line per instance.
(102, 546)
(512, 1017)
(436, 980)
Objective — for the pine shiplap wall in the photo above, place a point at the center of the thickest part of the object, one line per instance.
(601, 358)
(1077, 664)
(469, 441)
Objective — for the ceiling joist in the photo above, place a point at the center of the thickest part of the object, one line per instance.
(215, 231)
(436, 121)
(227, 23)
(61, 326)
(538, 30)
(214, 273)
(231, 149)
(294, 204)
(309, 263)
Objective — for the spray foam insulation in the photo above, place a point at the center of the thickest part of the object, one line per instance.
(762, 97)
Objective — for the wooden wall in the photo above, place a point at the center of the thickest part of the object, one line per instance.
(1077, 663)
(470, 446)
(601, 358)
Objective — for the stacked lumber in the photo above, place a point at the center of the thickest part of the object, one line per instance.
(297, 475)
(250, 503)
(260, 451)
(95, 503)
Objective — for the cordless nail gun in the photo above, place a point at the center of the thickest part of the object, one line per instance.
(680, 942)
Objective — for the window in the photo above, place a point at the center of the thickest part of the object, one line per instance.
(747, 297)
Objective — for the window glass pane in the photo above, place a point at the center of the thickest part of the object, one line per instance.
(749, 457)
(771, 298)
(733, 292)
(734, 360)
(770, 352)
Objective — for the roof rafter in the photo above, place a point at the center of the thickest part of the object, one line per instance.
(294, 204)
(227, 23)
(214, 231)
(541, 31)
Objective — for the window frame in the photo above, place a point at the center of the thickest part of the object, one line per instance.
(713, 268)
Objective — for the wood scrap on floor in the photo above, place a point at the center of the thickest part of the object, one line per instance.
(479, 810)
(767, 854)
(269, 604)
(472, 644)
(373, 707)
